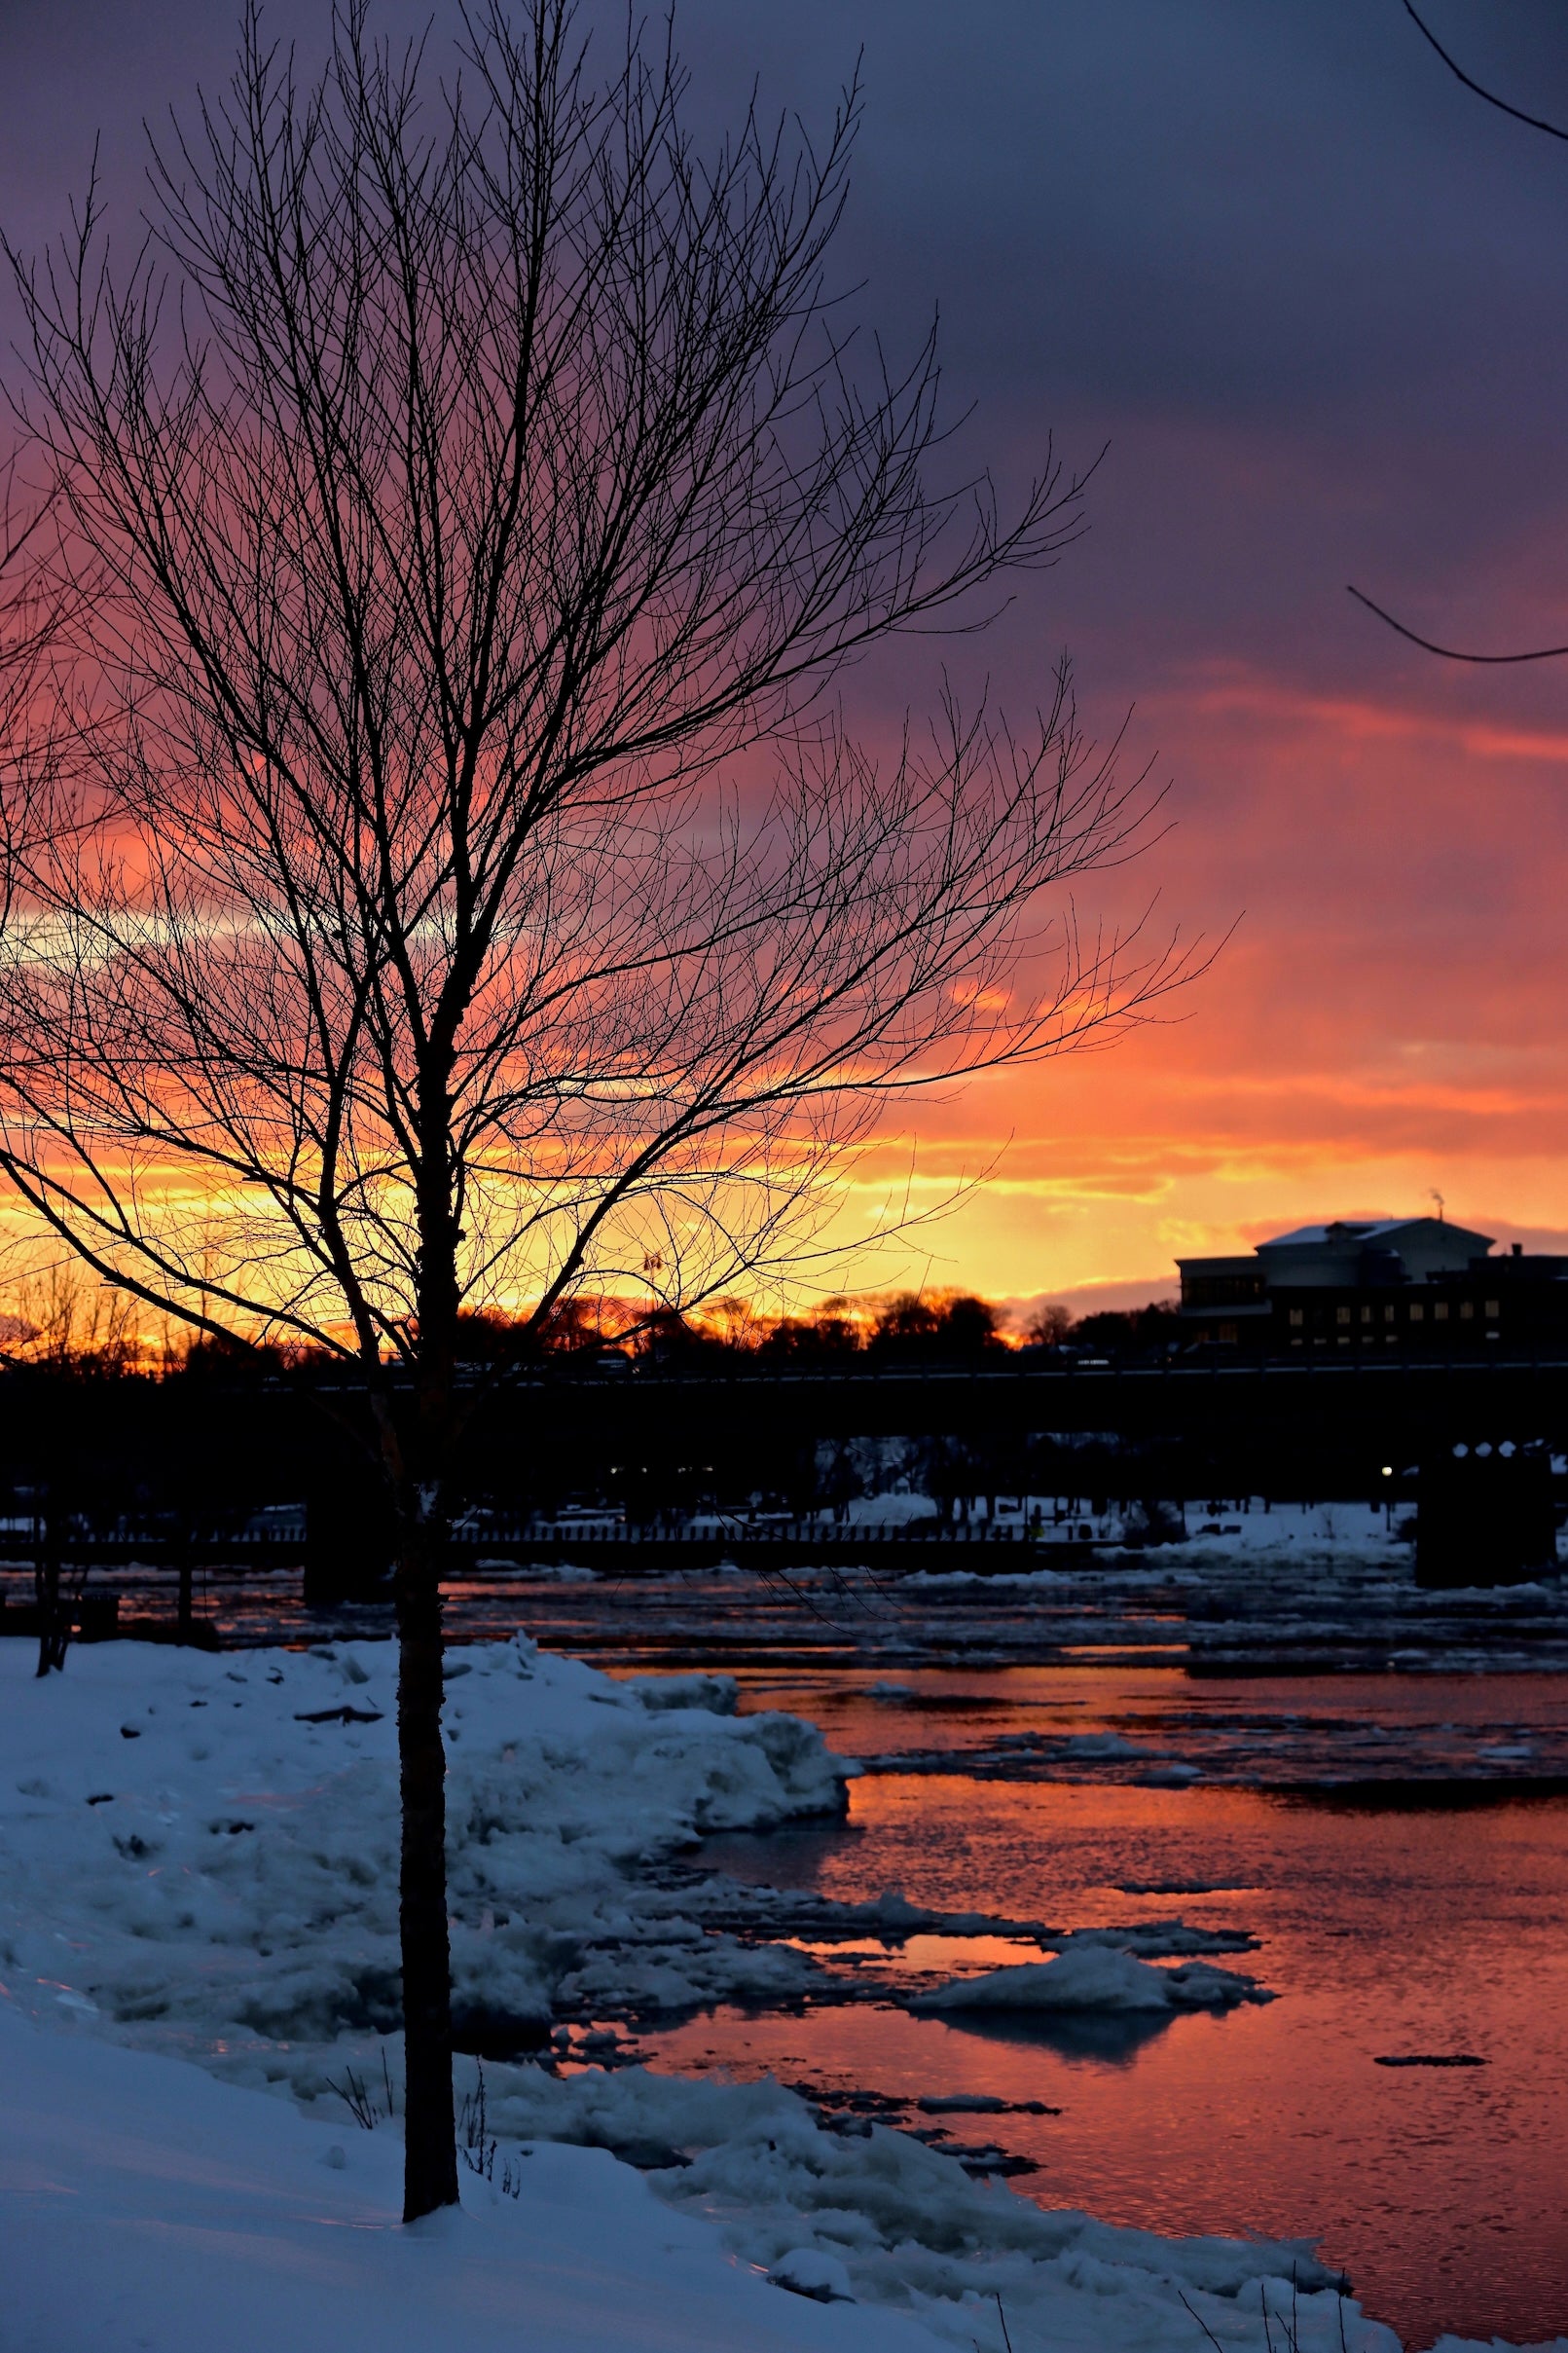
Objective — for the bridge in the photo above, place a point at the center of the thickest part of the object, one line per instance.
(1312, 1428)
(144, 1468)
(1343, 1407)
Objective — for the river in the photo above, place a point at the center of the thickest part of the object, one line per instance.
(1420, 1914)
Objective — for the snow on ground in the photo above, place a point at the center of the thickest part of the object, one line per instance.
(146, 2206)
(1242, 1528)
(198, 1856)
(204, 1849)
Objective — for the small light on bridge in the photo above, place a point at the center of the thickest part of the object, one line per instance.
(1388, 1470)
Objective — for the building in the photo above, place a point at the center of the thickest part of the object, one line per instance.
(1403, 1285)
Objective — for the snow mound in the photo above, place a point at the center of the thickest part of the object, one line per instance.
(1089, 1975)
(809, 2273)
(201, 1851)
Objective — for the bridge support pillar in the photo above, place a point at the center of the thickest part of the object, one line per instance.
(1484, 1517)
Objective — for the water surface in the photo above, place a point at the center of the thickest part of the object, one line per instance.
(1408, 1887)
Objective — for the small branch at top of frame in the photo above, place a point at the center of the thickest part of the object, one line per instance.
(1531, 122)
(1450, 653)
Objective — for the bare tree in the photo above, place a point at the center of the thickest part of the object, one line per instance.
(1049, 1325)
(474, 896)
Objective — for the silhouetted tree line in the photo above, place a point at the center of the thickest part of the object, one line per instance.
(1126, 1332)
(75, 1329)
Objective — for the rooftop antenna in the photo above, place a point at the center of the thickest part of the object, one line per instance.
(1433, 1194)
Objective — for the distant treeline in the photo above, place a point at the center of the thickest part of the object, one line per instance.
(65, 1323)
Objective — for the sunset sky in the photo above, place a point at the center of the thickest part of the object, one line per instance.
(1315, 298)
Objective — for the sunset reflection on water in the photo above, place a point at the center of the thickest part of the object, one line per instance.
(1400, 1923)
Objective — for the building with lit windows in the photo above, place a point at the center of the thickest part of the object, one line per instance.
(1412, 1285)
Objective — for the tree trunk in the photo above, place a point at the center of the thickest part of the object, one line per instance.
(430, 2154)
(54, 1615)
(185, 1567)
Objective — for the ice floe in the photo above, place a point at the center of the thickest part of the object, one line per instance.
(1091, 1974)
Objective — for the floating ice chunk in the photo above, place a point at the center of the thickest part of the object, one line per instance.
(1165, 1939)
(962, 2103)
(1100, 1745)
(1180, 1887)
(1096, 1977)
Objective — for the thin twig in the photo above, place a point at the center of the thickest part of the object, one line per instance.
(1531, 122)
(1450, 653)
(1202, 2324)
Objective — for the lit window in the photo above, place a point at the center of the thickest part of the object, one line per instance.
(1366, 1316)
(1344, 1315)
(1466, 1311)
(1494, 1306)
(1228, 1336)
(1388, 1315)
(1296, 1314)
(1440, 1313)
(1417, 1312)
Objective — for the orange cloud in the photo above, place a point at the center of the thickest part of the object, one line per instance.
(1388, 1018)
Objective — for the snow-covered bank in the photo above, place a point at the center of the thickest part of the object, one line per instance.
(146, 2206)
(204, 1851)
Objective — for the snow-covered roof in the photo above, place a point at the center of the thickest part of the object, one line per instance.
(1365, 1229)
(1318, 1233)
